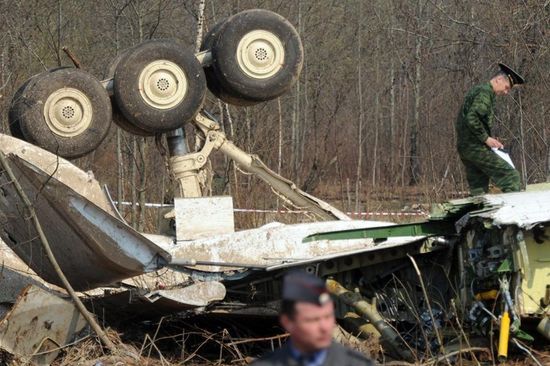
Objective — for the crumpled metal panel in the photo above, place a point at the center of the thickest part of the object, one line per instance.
(138, 302)
(38, 322)
(277, 245)
(92, 246)
(196, 295)
(15, 276)
(12, 282)
(524, 209)
(64, 171)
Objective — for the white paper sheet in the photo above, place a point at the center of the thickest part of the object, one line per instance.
(505, 156)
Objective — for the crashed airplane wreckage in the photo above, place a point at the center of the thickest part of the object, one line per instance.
(483, 260)
(492, 249)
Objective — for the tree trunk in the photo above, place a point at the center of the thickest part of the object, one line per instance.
(296, 122)
(522, 141)
(135, 148)
(59, 36)
(403, 147)
(200, 21)
(359, 172)
(391, 146)
(414, 163)
(119, 156)
(143, 152)
(377, 117)
(120, 170)
(133, 174)
(303, 122)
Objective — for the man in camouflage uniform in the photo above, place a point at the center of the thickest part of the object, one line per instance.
(474, 141)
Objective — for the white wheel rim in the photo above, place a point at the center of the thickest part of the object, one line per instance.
(260, 54)
(162, 84)
(68, 112)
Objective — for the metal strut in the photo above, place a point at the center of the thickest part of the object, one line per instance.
(187, 170)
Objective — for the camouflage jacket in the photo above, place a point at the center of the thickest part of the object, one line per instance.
(475, 118)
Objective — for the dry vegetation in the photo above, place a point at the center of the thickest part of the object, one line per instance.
(224, 350)
(373, 111)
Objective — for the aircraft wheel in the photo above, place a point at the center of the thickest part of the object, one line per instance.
(257, 55)
(118, 117)
(158, 86)
(211, 80)
(65, 111)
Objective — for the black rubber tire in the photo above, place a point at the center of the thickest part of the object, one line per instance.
(211, 79)
(28, 110)
(118, 117)
(207, 42)
(111, 68)
(129, 99)
(225, 65)
(13, 113)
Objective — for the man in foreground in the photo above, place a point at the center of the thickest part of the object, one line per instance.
(474, 141)
(307, 314)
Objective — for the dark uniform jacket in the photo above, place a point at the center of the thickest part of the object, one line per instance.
(475, 118)
(337, 355)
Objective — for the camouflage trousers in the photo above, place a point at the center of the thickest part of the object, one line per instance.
(482, 165)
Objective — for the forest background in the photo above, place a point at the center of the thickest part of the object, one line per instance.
(369, 125)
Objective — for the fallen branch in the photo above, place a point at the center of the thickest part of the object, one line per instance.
(73, 58)
(250, 340)
(454, 353)
(58, 348)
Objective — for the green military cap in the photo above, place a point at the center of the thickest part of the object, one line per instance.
(513, 76)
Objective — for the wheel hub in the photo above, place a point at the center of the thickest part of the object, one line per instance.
(68, 112)
(260, 54)
(162, 84)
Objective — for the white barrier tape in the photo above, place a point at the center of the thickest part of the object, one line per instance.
(371, 213)
(388, 214)
(159, 205)
(269, 211)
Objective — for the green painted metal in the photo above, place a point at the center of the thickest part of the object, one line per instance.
(524, 336)
(505, 266)
(426, 228)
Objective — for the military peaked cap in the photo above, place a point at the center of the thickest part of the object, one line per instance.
(513, 76)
